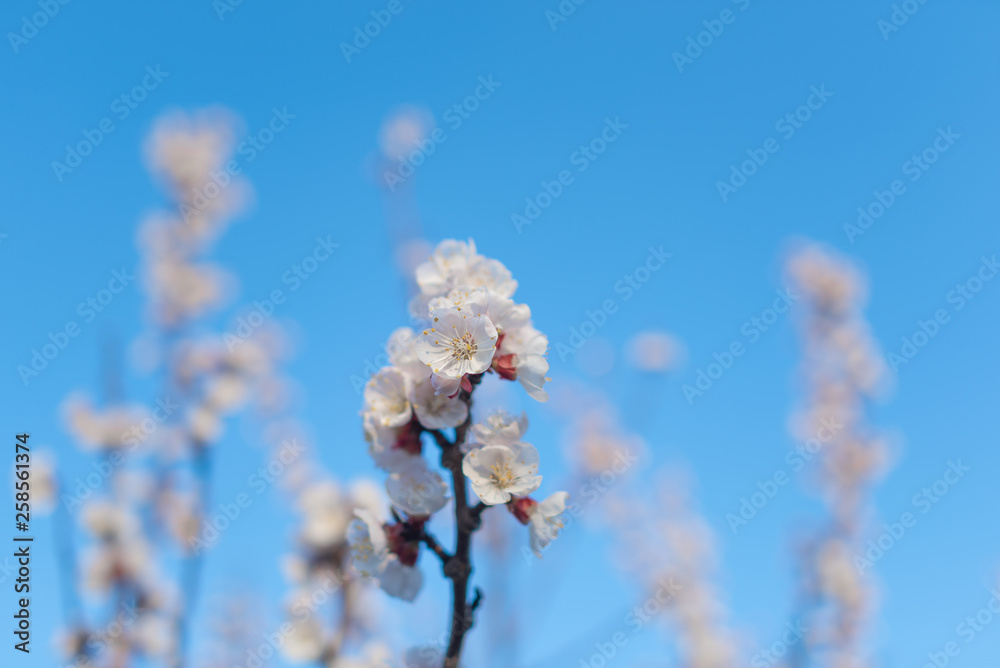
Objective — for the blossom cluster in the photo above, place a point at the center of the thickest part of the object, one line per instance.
(473, 327)
(318, 573)
(843, 371)
(144, 509)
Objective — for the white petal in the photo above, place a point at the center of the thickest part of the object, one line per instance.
(403, 582)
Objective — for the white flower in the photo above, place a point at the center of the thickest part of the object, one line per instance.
(437, 411)
(385, 444)
(205, 424)
(372, 558)
(106, 520)
(369, 544)
(491, 274)
(545, 521)
(417, 490)
(456, 264)
(326, 514)
(456, 344)
(387, 397)
(403, 355)
(401, 581)
(529, 347)
(304, 642)
(226, 391)
(447, 267)
(500, 428)
(654, 351)
(503, 312)
(366, 494)
(499, 471)
(155, 634)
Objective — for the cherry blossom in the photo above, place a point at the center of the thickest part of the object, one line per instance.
(401, 581)
(456, 344)
(416, 490)
(472, 327)
(543, 518)
(497, 472)
(526, 348)
(500, 428)
(369, 544)
(437, 411)
(391, 447)
(387, 397)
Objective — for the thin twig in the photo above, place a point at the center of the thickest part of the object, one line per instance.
(191, 570)
(435, 547)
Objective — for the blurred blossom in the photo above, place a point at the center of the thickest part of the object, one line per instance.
(187, 151)
(101, 430)
(372, 655)
(654, 351)
(410, 254)
(43, 480)
(403, 131)
(155, 635)
(672, 547)
(595, 438)
(305, 642)
(326, 515)
(842, 370)
(320, 563)
(154, 497)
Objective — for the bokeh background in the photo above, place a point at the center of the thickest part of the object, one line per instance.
(559, 78)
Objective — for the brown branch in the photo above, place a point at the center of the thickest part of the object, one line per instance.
(435, 547)
(441, 439)
(467, 520)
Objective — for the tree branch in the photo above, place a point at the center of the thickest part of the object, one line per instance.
(467, 520)
(435, 547)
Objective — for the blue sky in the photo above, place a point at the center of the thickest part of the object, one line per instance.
(888, 95)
